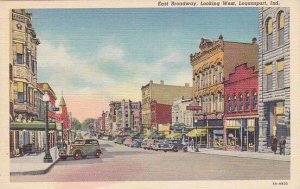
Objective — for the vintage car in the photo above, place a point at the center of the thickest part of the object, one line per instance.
(169, 145)
(136, 143)
(81, 149)
(147, 144)
(128, 141)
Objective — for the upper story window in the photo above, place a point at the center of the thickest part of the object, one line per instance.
(269, 33)
(220, 71)
(269, 77)
(280, 26)
(247, 102)
(241, 102)
(213, 73)
(19, 53)
(280, 74)
(220, 103)
(254, 101)
(212, 102)
(234, 104)
(228, 104)
(20, 92)
(20, 58)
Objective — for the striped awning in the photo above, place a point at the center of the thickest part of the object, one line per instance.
(174, 135)
(196, 132)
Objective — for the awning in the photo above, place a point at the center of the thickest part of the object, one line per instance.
(174, 135)
(233, 127)
(36, 125)
(199, 132)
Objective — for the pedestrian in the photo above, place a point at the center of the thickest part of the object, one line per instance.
(282, 145)
(274, 144)
(65, 146)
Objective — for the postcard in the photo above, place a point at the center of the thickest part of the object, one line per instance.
(169, 94)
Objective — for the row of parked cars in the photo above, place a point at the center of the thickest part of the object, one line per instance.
(153, 144)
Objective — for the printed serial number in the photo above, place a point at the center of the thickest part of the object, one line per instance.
(280, 183)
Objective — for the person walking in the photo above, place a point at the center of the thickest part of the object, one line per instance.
(274, 144)
(282, 145)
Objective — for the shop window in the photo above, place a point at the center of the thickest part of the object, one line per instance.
(281, 22)
(254, 101)
(269, 33)
(241, 102)
(247, 102)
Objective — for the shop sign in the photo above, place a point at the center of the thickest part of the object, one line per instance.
(279, 108)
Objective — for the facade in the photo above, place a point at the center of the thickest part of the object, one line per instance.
(274, 76)
(241, 104)
(163, 94)
(180, 115)
(136, 108)
(103, 121)
(45, 87)
(211, 66)
(113, 106)
(160, 114)
(23, 67)
(63, 117)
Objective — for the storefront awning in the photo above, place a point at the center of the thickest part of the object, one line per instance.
(174, 135)
(233, 127)
(35, 125)
(199, 132)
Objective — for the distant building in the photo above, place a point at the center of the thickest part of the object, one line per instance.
(180, 115)
(160, 114)
(274, 76)
(162, 94)
(113, 105)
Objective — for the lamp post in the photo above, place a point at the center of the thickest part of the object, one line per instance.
(47, 158)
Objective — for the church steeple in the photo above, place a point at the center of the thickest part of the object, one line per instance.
(62, 100)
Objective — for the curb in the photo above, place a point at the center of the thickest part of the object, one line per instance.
(36, 172)
(243, 157)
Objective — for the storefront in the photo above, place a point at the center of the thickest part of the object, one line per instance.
(241, 134)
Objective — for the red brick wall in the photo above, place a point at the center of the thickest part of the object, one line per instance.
(161, 113)
(243, 80)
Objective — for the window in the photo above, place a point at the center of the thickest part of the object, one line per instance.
(280, 21)
(280, 74)
(220, 102)
(32, 66)
(247, 105)
(269, 33)
(212, 103)
(20, 91)
(241, 102)
(269, 77)
(213, 76)
(220, 70)
(10, 72)
(228, 104)
(234, 104)
(254, 101)
(20, 58)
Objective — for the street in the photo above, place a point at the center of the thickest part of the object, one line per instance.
(121, 163)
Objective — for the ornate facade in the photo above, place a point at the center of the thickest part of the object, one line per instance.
(211, 66)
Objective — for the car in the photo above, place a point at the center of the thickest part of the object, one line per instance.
(136, 143)
(147, 144)
(127, 141)
(170, 145)
(118, 140)
(81, 149)
(158, 144)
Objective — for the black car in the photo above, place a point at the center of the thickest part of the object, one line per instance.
(169, 145)
(136, 143)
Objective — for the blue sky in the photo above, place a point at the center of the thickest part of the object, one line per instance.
(111, 53)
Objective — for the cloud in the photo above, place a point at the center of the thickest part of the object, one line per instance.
(111, 53)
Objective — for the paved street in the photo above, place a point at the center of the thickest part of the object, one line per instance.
(120, 163)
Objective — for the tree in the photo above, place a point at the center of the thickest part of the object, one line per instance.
(87, 124)
(76, 123)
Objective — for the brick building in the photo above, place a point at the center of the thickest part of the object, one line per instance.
(211, 66)
(241, 104)
(160, 114)
(274, 76)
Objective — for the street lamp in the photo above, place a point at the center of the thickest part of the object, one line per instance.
(47, 158)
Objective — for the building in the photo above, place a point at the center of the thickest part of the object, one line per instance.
(180, 114)
(274, 76)
(211, 66)
(23, 67)
(63, 117)
(160, 114)
(241, 104)
(113, 106)
(163, 94)
(136, 108)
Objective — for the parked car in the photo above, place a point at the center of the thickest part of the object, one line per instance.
(128, 141)
(158, 144)
(136, 143)
(147, 144)
(171, 145)
(118, 140)
(81, 149)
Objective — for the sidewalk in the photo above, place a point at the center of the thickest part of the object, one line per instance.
(244, 154)
(32, 164)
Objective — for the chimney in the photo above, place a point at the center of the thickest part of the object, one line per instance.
(162, 82)
(254, 40)
(186, 84)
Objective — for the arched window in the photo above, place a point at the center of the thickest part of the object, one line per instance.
(220, 76)
(234, 103)
(220, 102)
(269, 33)
(254, 101)
(212, 103)
(280, 27)
(247, 105)
(241, 102)
(228, 104)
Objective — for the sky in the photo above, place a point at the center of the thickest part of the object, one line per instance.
(98, 55)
